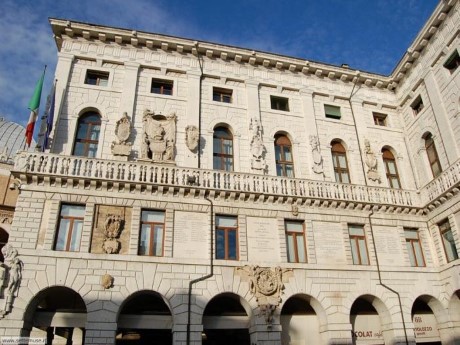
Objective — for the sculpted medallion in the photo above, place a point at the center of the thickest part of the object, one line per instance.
(159, 137)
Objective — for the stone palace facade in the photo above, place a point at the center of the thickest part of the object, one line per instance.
(197, 193)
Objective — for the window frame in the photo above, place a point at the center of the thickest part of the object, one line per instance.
(295, 234)
(163, 87)
(283, 142)
(389, 158)
(227, 230)
(71, 229)
(412, 242)
(221, 94)
(356, 239)
(444, 227)
(417, 105)
(86, 140)
(152, 231)
(338, 169)
(380, 119)
(330, 111)
(98, 77)
(277, 102)
(222, 156)
(454, 58)
(430, 147)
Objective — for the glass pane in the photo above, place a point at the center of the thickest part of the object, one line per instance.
(220, 244)
(410, 251)
(153, 216)
(158, 240)
(228, 147)
(277, 152)
(228, 164)
(290, 248)
(337, 177)
(294, 226)
(92, 149)
(395, 183)
(287, 154)
(279, 170)
(418, 253)
(226, 221)
(103, 82)
(345, 178)
(62, 234)
(356, 230)
(301, 248)
(72, 210)
(363, 251)
(216, 145)
(342, 161)
(144, 240)
(289, 170)
(216, 163)
(449, 244)
(95, 130)
(76, 235)
(232, 245)
(391, 167)
(436, 169)
(354, 251)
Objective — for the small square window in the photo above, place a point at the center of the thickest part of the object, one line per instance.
(332, 111)
(417, 105)
(98, 78)
(162, 87)
(453, 62)
(222, 95)
(380, 119)
(279, 103)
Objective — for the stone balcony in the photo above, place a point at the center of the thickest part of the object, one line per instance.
(59, 170)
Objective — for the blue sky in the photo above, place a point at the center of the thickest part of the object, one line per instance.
(369, 35)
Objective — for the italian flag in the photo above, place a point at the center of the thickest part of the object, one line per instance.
(34, 104)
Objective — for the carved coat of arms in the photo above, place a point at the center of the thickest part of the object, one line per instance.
(159, 138)
(113, 226)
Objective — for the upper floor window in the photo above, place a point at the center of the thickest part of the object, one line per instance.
(380, 119)
(339, 159)
(283, 156)
(99, 78)
(332, 111)
(358, 245)
(417, 105)
(295, 241)
(223, 149)
(222, 95)
(448, 240)
(70, 228)
(226, 237)
(162, 87)
(453, 62)
(151, 237)
(432, 154)
(87, 138)
(414, 248)
(391, 169)
(279, 103)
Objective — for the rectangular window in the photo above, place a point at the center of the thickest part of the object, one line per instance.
(358, 245)
(380, 119)
(452, 62)
(226, 237)
(70, 228)
(295, 241)
(279, 103)
(222, 95)
(99, 78)
(151, 237)
(417, 105)
(332, 111)
(162, 87)
(414, 248)
(448, 241)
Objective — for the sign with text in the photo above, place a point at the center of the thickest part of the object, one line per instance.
(263, 239)
(191, 235)
(329, 243)
(389, 247)
(425, 326)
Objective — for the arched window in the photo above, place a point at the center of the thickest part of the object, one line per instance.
(87, 138)
(283, 156)
(432, 154)
(339, 159)
(223, 149)
(391, 169)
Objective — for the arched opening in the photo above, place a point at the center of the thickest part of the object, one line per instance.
(391, 169)
(57, 314)
(87, 137)
(283, 156)
(340, 162)
(432, 154)
(144, 318)
(300, 323)
(222, 149)
(225, 321)
(365, 322)
(425, 323)
(3, 241)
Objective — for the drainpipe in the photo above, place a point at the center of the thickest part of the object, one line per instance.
(380, 277)
(211, 273)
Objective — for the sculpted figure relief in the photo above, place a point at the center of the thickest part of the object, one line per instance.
(371, 162)
(14, 265)
(113, 226)
(191, 137)
(159, 137)
(123, 132)
(316, 153)
(257, 146)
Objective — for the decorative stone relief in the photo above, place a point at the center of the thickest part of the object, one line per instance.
(191, 137)
(371, 162)
(316, 153)
(112, 228)
(106, 281)
(6, 217)
(11, 276)
(257, 146)
(159, 137)
(267, 285)
(123, 132)
(4, 154)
